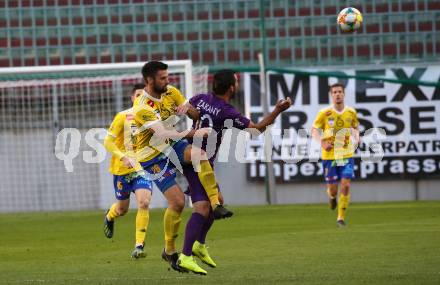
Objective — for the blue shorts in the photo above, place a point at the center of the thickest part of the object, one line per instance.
(333, 172)
(125, 184)
(161, 170)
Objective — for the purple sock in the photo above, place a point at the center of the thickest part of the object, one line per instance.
(192, 231)
(206, 226)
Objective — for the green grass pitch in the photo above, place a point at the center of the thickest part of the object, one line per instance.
(387, 243)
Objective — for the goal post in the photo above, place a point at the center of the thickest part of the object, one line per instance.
(36, 103)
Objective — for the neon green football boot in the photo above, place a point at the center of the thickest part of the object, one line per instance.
(189, 263)
(201, 251)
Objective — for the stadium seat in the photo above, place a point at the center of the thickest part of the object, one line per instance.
(234, 55)
(311, 52)
(330, 10)
(208, 56)
(279, 12)
(150, 24)
(4, 62)
(425, 26)
(433, 5)
(363, 50)
(337, 51)
(3, 42)
(305, 11)
(54, 61)
(390, 49)
(416, 48)
(398, 27)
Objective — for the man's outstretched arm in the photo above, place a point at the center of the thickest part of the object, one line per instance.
(280, 107)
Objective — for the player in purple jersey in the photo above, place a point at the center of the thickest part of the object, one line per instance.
(214, 110)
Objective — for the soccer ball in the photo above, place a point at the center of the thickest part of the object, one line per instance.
(349, 20)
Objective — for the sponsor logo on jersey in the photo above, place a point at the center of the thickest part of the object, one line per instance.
(155, 168)
(339, 123)
(133, 129)
(119, 185)
(238, 122)
(331, 122)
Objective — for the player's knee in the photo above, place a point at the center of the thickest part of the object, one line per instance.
(180, 205)
(177, 205)
(345, 183)
(204, 211)
(345, 187)
(122, 210)
(144, 204)
(202, 208)
(333, 188)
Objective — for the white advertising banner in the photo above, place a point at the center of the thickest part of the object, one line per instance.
(408, 115)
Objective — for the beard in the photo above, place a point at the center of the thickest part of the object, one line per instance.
(160, 89)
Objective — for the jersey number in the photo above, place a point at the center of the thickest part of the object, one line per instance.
(205, 117)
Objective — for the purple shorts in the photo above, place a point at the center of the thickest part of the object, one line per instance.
(195, 188)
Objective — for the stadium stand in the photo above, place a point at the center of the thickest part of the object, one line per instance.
(214, 32)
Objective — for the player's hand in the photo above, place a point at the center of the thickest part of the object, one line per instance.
(128, 162)
(283, 104)
(326, 145)
(182, 109)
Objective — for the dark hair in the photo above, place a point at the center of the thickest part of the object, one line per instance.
(223, 79)
(336, 85)
(152, 67)
(138, 86)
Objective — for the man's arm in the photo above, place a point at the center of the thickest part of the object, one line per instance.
(110, 146)
(280, 107)
(116, 129)
(147, 121)
(189, 110)
(316, 135)
(318, 125)
(160, 131)
(184, 106)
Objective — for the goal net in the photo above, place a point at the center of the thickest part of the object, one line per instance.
(38, 103)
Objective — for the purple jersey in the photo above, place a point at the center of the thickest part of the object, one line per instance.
(214, 112)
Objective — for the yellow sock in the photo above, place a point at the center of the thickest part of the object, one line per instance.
(112, 214)
(142, 219)
(207, 179)
(171, 222)
(343, 205)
